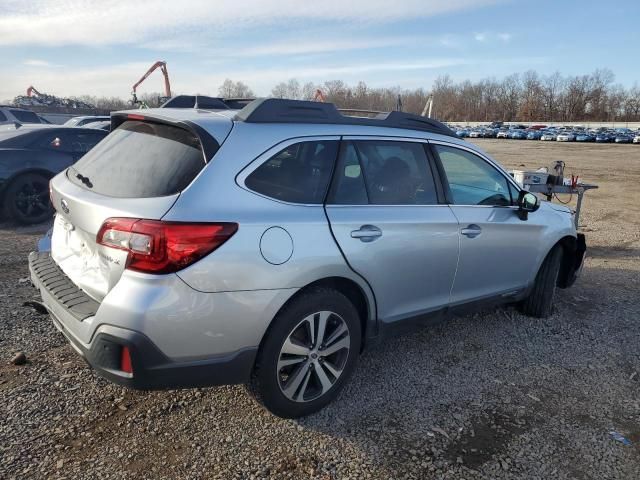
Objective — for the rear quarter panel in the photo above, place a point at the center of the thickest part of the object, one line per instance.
(239, 264)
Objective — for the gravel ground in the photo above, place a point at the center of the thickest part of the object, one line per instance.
(491, 395)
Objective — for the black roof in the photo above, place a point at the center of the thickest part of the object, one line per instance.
(13, 106)
(275, 110)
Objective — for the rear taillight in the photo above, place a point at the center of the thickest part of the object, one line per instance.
(163, 247)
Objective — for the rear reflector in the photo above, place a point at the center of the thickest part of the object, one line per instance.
(125, 360)
(163, 247)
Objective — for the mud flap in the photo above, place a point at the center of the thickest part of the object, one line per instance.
(581, 249)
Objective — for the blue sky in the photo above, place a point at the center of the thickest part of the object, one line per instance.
(101, 47)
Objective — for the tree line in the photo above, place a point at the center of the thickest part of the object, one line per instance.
(524, 97)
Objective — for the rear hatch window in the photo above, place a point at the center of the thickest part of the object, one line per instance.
(140, 160)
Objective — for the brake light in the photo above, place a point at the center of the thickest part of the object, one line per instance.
(158, 247)
(125, 360)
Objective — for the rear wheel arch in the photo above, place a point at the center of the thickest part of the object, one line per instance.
(353, 292)
(40, 171)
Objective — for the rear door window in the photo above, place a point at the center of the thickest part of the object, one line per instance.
(381, 172)
(70, 141)
(140, 160)
(25, 116)
(83, 142)
(299, 173)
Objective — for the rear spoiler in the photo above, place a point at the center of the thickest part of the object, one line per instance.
(209, 144)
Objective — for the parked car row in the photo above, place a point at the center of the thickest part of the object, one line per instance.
(554, 134)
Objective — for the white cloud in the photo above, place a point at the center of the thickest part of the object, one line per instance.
(493, 37)
(334, 44)
(36, 63)
(109, 80)
(113, 22)
(116, 80)
(293, 47)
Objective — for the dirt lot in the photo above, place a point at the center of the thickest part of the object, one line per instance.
(492, 395)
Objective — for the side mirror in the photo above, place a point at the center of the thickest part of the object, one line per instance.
(527, 202)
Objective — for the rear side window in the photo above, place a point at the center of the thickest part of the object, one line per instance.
(25, 116)
(140, 160)
(3, 117)
(299, 173)
(382, 172)
(71, 142)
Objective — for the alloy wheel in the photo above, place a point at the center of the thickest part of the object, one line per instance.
(313, 356)
(32, 200)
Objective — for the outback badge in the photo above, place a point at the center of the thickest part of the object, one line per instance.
(64, 205)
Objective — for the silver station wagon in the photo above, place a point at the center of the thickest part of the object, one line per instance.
(269, 246)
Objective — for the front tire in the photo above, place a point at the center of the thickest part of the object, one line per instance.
(539, 303)
(308, 354)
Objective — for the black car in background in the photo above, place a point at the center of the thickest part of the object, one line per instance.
(29, 157)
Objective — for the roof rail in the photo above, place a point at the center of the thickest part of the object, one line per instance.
(275, 110)
(205, 102)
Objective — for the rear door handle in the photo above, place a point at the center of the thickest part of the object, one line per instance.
(367, 233)
(471, 231)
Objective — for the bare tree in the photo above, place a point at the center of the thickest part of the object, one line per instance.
(231, 89)
(279, 91)
(308, 91)
(551, 91)
(290, 89)
(518, 97)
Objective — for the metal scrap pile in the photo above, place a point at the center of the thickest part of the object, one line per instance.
(44, 100)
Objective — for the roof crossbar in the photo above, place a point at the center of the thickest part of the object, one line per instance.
(275, 110)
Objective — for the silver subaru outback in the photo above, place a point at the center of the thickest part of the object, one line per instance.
(269, 246)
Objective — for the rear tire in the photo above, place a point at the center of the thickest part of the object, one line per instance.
(298, 372)
(539, 303)
(26, 199)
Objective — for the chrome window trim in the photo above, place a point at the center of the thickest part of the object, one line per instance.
(368, 205)
(385, 138)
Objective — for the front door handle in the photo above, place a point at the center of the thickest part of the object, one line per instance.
(471, 231)
(367, 233)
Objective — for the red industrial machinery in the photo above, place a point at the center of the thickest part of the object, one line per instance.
(167, 87)
(31, 90)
